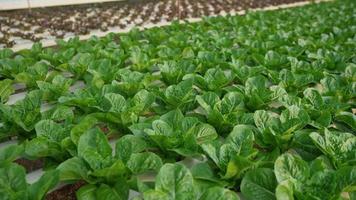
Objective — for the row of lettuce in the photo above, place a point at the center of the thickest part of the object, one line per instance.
(263, 104)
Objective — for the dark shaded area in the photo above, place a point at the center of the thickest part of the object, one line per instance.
(66, 192)
(30, 165)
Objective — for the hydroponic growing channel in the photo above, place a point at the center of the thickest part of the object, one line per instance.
(259, 106)
(20, 28)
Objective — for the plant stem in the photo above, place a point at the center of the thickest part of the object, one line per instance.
(178, 9)
(29, 5)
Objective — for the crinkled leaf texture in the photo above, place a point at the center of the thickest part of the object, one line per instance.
(174, 181)
(258, 184)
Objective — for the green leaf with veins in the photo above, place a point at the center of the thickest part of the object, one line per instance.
(6, 89)
(259, 183)
(173, 181)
